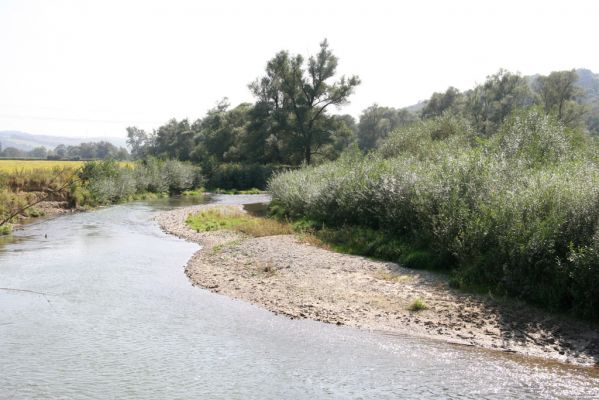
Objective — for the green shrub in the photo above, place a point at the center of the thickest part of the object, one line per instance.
(417, 305)
(517, 212)
(106, 182)
(5, 229)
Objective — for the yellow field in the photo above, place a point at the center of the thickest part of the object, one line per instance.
(30, 165)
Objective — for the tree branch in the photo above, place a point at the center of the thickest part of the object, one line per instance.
(44, 197)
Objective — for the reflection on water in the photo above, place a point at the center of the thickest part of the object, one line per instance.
(112, 315)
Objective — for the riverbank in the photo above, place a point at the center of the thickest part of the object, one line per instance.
(44, 210)
(287, 276)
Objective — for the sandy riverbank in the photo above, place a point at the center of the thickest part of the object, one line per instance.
(289, 277)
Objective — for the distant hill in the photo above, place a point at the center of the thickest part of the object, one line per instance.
(26, 141)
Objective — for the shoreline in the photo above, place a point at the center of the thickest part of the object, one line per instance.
(50, 209)
(286, 276)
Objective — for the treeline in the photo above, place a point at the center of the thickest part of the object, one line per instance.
(291, 124)
(85, 151)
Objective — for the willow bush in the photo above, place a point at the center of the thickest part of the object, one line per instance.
(517, 213)
(105, 182)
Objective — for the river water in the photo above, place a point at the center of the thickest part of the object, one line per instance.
(119, 319)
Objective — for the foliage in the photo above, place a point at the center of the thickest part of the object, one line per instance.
(488, 104)
(85, 151)
(106, 182)
(377, 122)
(440, 103)
(289, 124)
(237, 191)
(239, 176)
(517, 212)
(558, 93)
(298, 95)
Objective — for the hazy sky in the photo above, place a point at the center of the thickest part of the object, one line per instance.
(91, 68)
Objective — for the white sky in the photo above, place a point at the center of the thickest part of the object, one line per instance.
(92, 68)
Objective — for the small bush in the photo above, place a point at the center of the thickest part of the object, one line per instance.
(417, 305)
(5, 229)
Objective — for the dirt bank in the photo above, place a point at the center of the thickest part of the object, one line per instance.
(289, 277)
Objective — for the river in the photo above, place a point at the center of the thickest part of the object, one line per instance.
(104, 310)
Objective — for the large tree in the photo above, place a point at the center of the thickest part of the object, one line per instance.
(220, 133)
(173, 140)
(377, 122)
(298, 95)
(489, 104)
(138, 141)
(441, 102)
(558, 93)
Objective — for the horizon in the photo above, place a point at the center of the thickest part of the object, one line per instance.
(92, 69)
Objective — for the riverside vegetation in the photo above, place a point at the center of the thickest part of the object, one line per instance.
(514, 213)
(37, 191)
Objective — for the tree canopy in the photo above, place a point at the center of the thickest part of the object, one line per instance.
(297, 95)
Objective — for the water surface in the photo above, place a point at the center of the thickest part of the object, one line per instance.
(110, 314)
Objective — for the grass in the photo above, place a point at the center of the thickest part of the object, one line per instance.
(417, 305)
(228, 219)
(193, 193)
(220, 247)
(374, 243)
(236, 191)
(393, 277)
(5, 229)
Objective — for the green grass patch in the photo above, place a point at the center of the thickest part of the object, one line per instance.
(5, 229)
(417, 305)
(236, 191)
(374, 243)
(193, 193)
(229, 219)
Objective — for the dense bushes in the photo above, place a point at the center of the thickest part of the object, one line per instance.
(105, 182)
(239, 176)
(517, 212)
